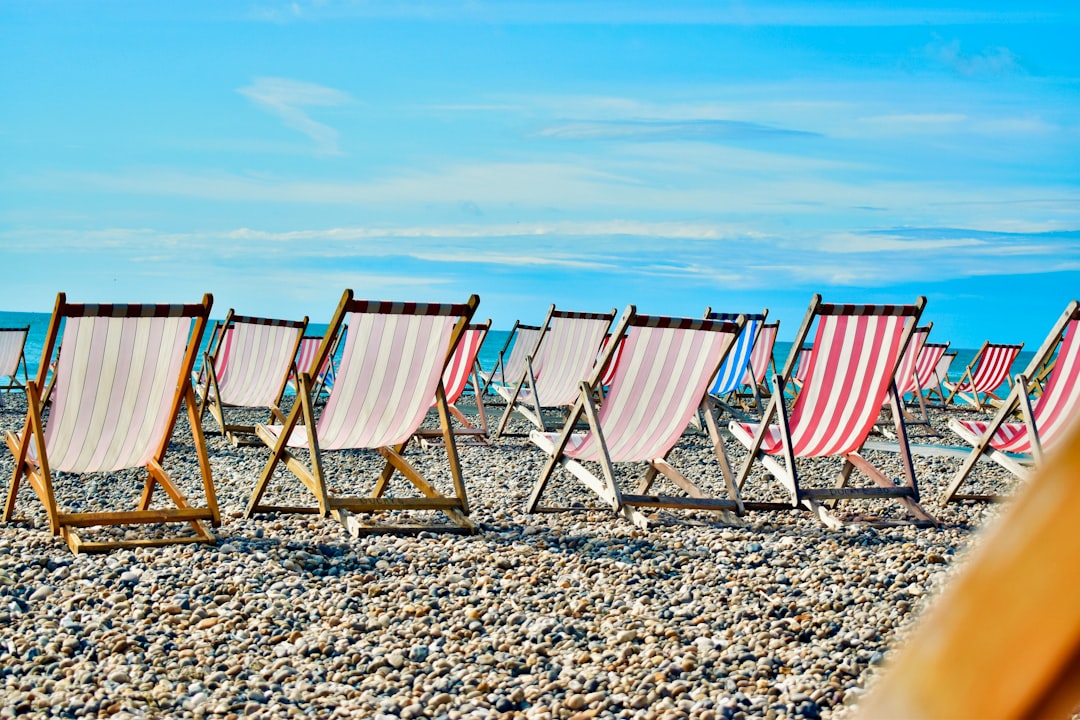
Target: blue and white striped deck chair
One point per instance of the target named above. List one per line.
(731, 373)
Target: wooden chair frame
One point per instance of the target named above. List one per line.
(323, 380)
(13, 380)
(506, 354)
(972, 398)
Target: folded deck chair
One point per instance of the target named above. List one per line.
(856, 351)
(564, 353)
(511, 361)
(939, 379)
(304, 362)
(755, 382)
(12, 355)
(248, 368)
(459, 373)
(121, 378)
(661, 382)
(984, 375)
(729, 377)
(1016, 445)
(392, 361)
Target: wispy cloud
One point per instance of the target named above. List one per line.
(287, 99)
(990, 61)
(705, 129)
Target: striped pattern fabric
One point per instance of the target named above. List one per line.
(306, 354)
(941, 371)
(456, 374)
(566, 355)
(729, 376)
(116, 378)
(253, 360)
(613, 365)
(905, 374)
(993, 368)
(390, 367)
(1055, 409)
(513, 368)
(12, 342)
(803, 366)
(658, 386)
(761, 355)
(926, 367)
(847, 377)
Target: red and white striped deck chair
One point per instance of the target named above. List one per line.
(612, 364)
(392, 361)
(248, 368)
(564, 354)
(924, 377)
(802, 366)
(121, 378)
(905, 378)
(1043, 425)
(12, 355)
(661, 382)
(761, 358)
(304, 362)
(459, 373)
(511, 361)
(856, 351)
(939, 379)
(984, 375)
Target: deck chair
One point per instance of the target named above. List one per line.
(392, 362)
(906, 379)
(924, 377)
(1042, 425)
(511, 360)
(850, 370)
(939, 379)
(612, 363)
(984, 375)
(802, 365)
(730, 375)
(661, 382)
(121, 380)
(248, 368)
(304, 362)
(12, 355)
(459, 373)
(754, 382)
(564, 353)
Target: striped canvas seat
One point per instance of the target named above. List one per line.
(392, 362)
(730, 375)
(510, 364)
(612, 365)
(305, 363)
(847, 375)
(249, 368)
(926, 368)
(661, 381)
(120, 381)
(564, 354)
(459, 372)
(12, 356)
(1044, 424)
(986, 373)
(755, 379)
(907, 380)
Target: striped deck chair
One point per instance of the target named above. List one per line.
(985, 374)
(564, 353)
(755, 379)
(905, 378)
(802, 366)
(459, 373)
(611, 365)
(248, 368)
(12, 355)
(1042, 426)
(511, 361)
(856, 351)
(729, 377)
(392, 361)
(924, 376)
(121, 380)
(304, 362)
(939, 379)
(661, 383)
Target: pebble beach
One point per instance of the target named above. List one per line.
(568, 615)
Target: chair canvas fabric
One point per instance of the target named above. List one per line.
(940, 378)
(392, 363)
(1044, 424)
(459, 372)
(12, 355)
(757, 370)
(305, 363)
(730, 375)
(661, 381)
(926, 368)
(985, 374)
(612, 365)
(120, 380)
(508, 367)
(854, 358)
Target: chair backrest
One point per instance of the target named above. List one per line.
(730, 375)
(761, 355)
(856, 351)
(803, 366)
(525, 339)
(927, 365)
(392, 361)
(994, 362)
(941, 372)
(254, 357)
(906, 380)
(12, 344)
(120, 378)
(457, 372)
(567, 352)
(663, 376)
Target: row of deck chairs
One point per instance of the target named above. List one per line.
(122, 374)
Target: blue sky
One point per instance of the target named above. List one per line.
(673, 155)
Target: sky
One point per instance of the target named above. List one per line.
(675, 155)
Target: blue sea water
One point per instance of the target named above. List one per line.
(496, 340)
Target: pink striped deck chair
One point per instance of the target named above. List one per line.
(985, 374)
(121, 378)
(856, 351)
(757, 372)
(661, 382)
(511, 361)
(802, 366)
(939, 379)
(459, 373)
(564, 354)
(905, 378)
(923, 377)
(304, 362)
(12, 355)
(1043, 425)
(611, 365)
(249, 367)
(392, 362)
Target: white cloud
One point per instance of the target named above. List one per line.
(285, 98)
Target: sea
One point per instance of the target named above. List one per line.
(489, 352)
